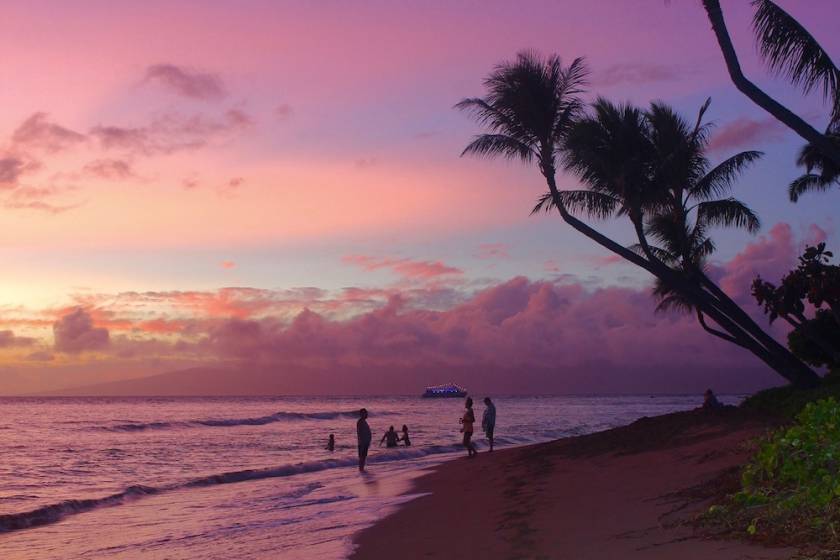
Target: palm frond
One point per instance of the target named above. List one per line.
(809, 182)
(497, 119)
(594, 204)
(663, 255)
(490, 145)
(811, 157)
(719, 180)
(698, 125)
(728, 212)
(789, 49)
(670, 300)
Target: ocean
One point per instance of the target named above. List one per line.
(179, 478)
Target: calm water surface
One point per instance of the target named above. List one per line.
(182, 478)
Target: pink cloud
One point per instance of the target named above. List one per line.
(40, 356)
(227, 264)
(517, 324)
(404, 267)
(171, 133)
(186, 82)
(635, 74)
(231, 187)
(110, 169)
(771, 256)
(745, 133)
(11, 168)
(75, 332)
(39, 133)
(8, 340)
(38, 198)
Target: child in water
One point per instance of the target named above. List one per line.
(404, 438)
(331, 443)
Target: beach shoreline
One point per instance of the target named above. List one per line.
(628, 492)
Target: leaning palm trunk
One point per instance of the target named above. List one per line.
(758, 96)
(739, 328)
(631, 161)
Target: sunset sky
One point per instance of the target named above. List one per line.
(279, 183)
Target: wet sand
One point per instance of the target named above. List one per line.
(625, 493)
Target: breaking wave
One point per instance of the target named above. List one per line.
(226, 422)
(56, 512)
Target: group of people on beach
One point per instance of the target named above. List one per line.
(392, 438)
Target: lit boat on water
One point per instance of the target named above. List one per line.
(448, 390)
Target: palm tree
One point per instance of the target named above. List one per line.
(813, 159)
(647, 166)
(789, 49)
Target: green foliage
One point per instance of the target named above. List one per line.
(797, 467)
(790, 489)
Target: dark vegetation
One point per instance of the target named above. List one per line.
(789, 492)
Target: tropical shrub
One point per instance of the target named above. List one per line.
(790, 489)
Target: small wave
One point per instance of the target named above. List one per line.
(227, 422)
(55, 512)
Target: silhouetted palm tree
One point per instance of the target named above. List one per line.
(789, 49)
(646, 165)
(812, 159)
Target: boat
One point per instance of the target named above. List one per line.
(448, 390)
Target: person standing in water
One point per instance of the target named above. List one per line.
(488, 420)
(467, 421)
(404, 438)
(331, 443)
(391, 436)
(364, 436)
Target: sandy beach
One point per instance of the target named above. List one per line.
(622, 493)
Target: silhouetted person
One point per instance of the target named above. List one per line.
(391, 436)
(406, 441)
(467, 421)
(331, 443)
(488, 420)
(364, 436)
(710, 401)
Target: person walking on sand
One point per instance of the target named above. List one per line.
(467, 421)
(391, 436)
(404, 438)
(364, 436)
(488, 420)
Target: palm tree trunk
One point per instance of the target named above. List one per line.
(748, 323)
(784, 363)
(742, 330)
(779, 111)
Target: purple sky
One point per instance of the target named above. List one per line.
(180, 181)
